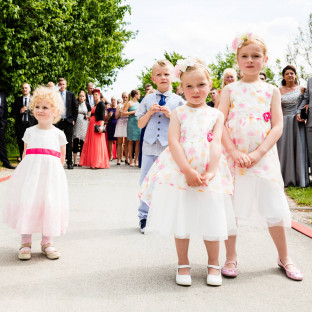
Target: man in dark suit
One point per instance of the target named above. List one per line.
(68, 119)
(23, 118)
(3, 121)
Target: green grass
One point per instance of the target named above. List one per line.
(302, 196)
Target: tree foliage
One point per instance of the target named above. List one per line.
(80, 40)
(299, 51)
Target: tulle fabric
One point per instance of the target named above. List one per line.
(94, 153)
(260, 202)
(185, 213)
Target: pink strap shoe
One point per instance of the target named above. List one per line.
(296, 276)
(229, 272)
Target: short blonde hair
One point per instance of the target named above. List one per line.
(227, 71)
(198, 65)
(52, 96)
(162, 63)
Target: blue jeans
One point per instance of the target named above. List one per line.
(147, 162)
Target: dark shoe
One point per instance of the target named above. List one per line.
(70, 166)
(142, 225)
(8, 166)
(75, 165)
(118, 163)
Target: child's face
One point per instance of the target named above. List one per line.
(43, 112)
(162, 76)
(251, 59)
(195, 86)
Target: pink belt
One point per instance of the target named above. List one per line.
(44, 151)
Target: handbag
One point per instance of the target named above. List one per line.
(304, 114)
(97, 127)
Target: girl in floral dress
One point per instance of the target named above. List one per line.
(189, 187)
(253, 124)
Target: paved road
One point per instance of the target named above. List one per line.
(107, 265)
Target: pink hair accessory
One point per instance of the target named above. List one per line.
(240, 39)
(267, 116)
(209, 137)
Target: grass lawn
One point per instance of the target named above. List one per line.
(302, 196)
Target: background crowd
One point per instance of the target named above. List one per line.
(101, 130)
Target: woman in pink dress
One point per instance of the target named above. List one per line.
(94, 153)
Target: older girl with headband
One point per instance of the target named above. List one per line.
(253, 124)
(189, 187)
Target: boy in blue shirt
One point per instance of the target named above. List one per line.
(154, 114)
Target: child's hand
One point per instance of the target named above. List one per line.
(155, 108)
(242, 159)
(254, 156)
(207, 177)
(193, 178)
(166, 110)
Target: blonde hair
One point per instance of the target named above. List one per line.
(227, 71)
(52, 96)
(256, 40)
(162, 63)
(198, 65)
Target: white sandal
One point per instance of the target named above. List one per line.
(184, 280)
(52, 255)
(214, 280)
(24, 254)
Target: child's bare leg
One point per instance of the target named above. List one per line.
(137, 151)
(231, 255)
(279, 237)
(182, 246)
(213, 255)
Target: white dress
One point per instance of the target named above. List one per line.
(121, 126)
(37, 195)
(181, 210)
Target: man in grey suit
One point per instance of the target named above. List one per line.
(307, 102)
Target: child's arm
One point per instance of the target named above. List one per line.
(275, 132)
(25, 148)
(63, 152)
(193, 178)
(242, 159)
(215, 150)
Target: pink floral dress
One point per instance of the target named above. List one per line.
(175, 207)
(258, 191)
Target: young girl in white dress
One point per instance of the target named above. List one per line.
(253, 124)
(37, 194)
(189, 187)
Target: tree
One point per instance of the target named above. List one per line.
(146, 74)
(81, 40)
(299, 51)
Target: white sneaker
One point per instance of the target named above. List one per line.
(214, 280)
(184, 280)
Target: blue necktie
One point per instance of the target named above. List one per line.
(162, 101)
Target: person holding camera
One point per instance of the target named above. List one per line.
(94, 152)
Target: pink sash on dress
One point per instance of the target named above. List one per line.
(44, 151)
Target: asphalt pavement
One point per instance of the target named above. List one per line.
(106, 264)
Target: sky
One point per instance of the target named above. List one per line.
(202, 28)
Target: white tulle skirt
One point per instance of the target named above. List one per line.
(36, 199)
(185, 213)
(259, 201)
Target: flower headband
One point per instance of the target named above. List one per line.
(239, 40)
(182, 65)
